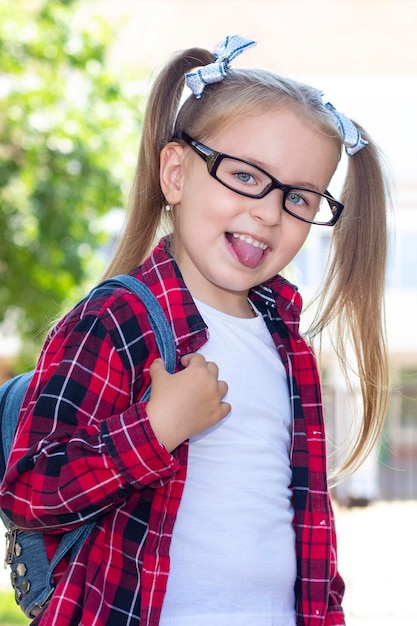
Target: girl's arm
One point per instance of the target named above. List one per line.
(84, 441)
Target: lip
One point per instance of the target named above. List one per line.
(253, 241)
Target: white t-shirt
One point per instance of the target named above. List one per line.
(233, 547)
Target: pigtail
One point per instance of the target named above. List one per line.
(147, 200)
(352, 298)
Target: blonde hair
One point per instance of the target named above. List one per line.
(352, 295)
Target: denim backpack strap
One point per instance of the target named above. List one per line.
(11, 398)
(157, 319)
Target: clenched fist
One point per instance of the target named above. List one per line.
(185, 403)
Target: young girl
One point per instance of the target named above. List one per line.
(212, 500)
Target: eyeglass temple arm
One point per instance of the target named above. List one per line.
(203, 150)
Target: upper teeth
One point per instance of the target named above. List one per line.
(253, 242)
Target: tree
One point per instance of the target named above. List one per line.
(68, 131)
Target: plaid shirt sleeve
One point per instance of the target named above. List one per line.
(82, 446)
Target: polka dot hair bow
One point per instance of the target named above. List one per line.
(224, 53)
(352, 139)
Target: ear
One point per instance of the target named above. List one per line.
(171, 172)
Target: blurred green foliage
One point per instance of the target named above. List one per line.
(68, 132)
(10, 613)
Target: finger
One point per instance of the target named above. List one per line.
(213, 368)
(194, 357)
(156, 367)
(223, 388)
(225, 409)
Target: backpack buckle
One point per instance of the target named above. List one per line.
(38, 607)
(11, 536)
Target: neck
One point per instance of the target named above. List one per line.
(245, 310)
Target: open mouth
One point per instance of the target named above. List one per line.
(248, 250)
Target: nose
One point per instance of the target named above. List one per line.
(269, 208)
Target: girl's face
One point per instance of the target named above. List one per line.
(226, 243)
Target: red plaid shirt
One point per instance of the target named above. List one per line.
(85, 448)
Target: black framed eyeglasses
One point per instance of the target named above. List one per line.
(252, 181)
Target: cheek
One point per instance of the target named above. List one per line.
(305, 231)
(301, 241)
(292, 239)
(207, 206)
(295, 231)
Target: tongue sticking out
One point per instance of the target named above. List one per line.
(247, 253)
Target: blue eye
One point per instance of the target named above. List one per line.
(241, 176)
(244, 177)
(295, 198)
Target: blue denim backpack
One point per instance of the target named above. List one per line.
(31, 571)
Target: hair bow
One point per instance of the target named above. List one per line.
(352, 139)
(224, 53)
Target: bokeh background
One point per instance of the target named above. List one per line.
(73, 81)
